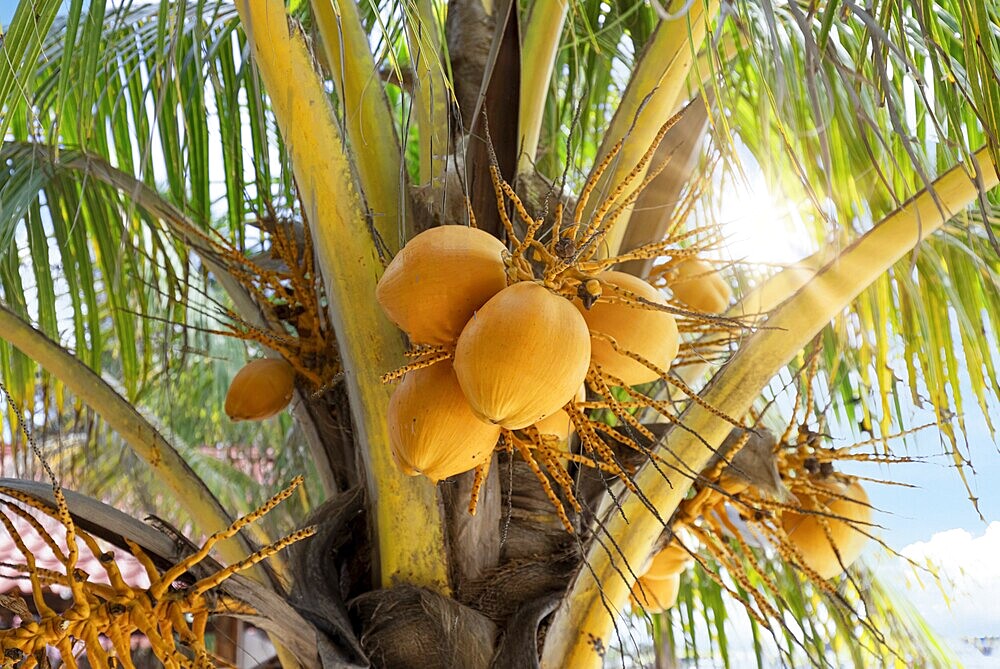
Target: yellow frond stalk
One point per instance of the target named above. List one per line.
(350, 262)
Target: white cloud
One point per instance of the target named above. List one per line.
(964, 599)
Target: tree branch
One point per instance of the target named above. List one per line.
(369, 126)
(541, 45)
(430, 91)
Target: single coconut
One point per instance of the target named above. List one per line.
(261, 389)
(670, 561)
(438, 280)
(646, 332)
(559, 424)
(523, 356)
(432, 430)
(655, 595)
(806, 533)
(696, 283)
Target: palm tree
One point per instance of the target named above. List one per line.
(180, 171)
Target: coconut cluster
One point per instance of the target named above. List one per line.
(698, 286)
(620, 326)
(516, 354)
(447, 288)
(826, 536)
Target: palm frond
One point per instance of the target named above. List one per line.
(21, 46)
(707, 625)
(849, 113)
(129, 86)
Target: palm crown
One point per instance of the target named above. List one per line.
(177, 172)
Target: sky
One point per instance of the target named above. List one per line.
(969, 569)
(7, 8)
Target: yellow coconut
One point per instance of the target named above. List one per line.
(260, 390)
(805, 531)
(559, 424)
(648, 333)
(523, 356)
(696, 283)
(432, 429)
(670, 561)
(655, 595)
(438, 280)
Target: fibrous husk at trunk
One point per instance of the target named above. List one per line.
(519, 645)
(411, 628)
(442, 202)
(540, 197)
(504, 590)
(445, 201)
(330, 420)
(324, 575)
(537, 555)
(754, 462)
(529, 526)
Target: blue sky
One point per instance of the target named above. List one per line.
(7, 8)
(939, 501)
